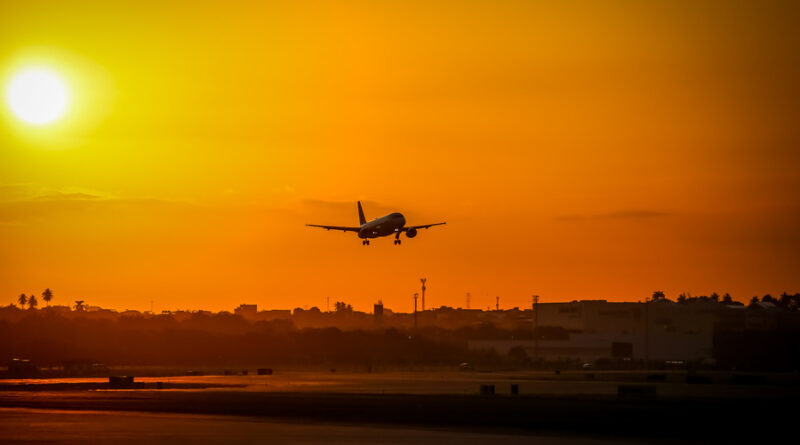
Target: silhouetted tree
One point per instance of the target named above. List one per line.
(769, 299)
(789, 302)
(715, 297)
(682, 299)
(32, 303)
(343, 307)
(754, 301)
(727, 298)
(658, 295)
(79, 306)
(794, 303)
(47, 295)
(22, 299)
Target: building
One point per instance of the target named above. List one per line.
(660, 330)
(246, 310)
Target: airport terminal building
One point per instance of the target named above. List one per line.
(661, 330)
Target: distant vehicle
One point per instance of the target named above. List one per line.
(391, 224)
(83, 367)
(22, 368)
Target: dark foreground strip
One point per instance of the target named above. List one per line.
(670, 420)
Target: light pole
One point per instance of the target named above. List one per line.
(423, 280)
(646, 331)
(415, 309)
(535, 309)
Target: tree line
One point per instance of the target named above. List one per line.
(226, 340)
(786, 301)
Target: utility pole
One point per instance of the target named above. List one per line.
(535, 309)
(327, 304)
(497, 303)
(415, 309)
(646, 331)
(423, 280)
(468, 300)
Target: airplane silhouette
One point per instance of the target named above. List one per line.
(391, 224)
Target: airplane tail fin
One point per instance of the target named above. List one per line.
(361, 218)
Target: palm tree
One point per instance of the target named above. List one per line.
(32, 303)
(22, 300)
(658, 295)
(47, 295)
(79, 305)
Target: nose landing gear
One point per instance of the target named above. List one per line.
(397, 241)
(365, 242)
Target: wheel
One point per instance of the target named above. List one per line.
(397, 241)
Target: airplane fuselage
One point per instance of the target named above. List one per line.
(383, 226)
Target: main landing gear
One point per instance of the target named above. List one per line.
(365, 242)
(397, 241)
(397, 238)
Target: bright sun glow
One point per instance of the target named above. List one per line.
(37, 96)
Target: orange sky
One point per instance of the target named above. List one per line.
(577, 150)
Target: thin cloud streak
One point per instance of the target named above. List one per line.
(619, 215)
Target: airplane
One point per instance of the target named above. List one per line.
(391, 224)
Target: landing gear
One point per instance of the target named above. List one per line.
(365, 242)
(397, 238)
(397, 241)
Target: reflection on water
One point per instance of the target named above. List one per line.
(80, 427)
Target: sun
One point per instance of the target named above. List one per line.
(37, 96)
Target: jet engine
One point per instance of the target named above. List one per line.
(411, 233)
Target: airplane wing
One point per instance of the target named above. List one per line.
(424, 226)
(344, 229)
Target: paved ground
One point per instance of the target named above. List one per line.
(394, 407)
(19, 426)
(598, 384)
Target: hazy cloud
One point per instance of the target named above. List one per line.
(35, 192)
(21, 203)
